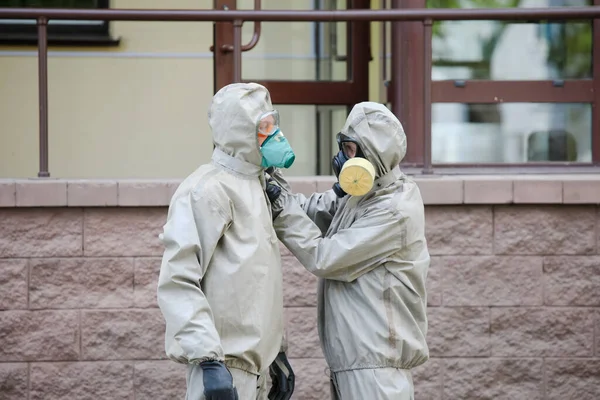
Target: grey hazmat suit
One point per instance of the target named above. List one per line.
(220, 283)
(371, 256)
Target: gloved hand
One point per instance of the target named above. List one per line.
(218, 382)
(337, 189)
(283, 378)
(273, 190)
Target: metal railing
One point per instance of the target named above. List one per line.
(427, 16)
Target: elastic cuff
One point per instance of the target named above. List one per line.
(205, 359)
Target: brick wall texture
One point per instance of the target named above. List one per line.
(514, 306)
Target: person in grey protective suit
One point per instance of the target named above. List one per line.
(371, 256)
(220, 283)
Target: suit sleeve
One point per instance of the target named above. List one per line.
(347, 254)
(195, 224)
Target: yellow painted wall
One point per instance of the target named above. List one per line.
(139, 110)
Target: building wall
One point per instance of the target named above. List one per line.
(139, 110)
(513, 291)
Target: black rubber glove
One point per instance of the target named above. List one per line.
(218, 382)
(273, 191)
(283, 378)
(337, 189)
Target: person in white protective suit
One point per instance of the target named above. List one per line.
(220, 282)
(369, 250)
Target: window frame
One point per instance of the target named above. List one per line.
(418, 130)
(310, 92)
(60, 33)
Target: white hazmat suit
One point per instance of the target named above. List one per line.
(371, 256)
(220, 283)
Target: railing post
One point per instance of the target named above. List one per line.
(237, 50)
(427, 25)
(42, 27)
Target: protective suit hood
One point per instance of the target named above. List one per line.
(379, 133)
(233, 117)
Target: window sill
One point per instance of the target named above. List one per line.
(504, 169)
(436, 190)
(61, 40)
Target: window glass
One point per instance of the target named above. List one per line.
(314, 51)
(511, 132)
(501, 50)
